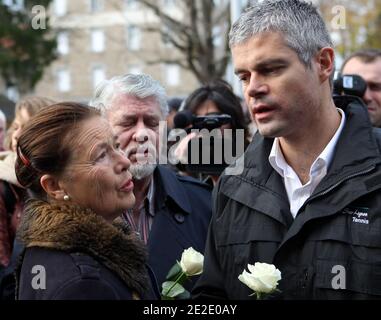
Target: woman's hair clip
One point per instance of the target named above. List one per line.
(24, 159)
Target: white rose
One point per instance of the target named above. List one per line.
(192, 262)
(262, 277)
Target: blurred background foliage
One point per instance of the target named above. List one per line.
(24, 51)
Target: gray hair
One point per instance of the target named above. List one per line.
(299, 22)
(138, 85)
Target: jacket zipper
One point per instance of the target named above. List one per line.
(354, 175)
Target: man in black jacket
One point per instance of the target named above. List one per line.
(308, 200)
(171, 212)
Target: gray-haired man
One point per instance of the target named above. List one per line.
(308, 200)
(171, 212)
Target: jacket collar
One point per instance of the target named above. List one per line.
(73, 229)
(168, 186)
(258, 176)
(352, 155)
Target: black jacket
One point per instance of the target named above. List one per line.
(73, 254)
(339, 225)
(182, 215)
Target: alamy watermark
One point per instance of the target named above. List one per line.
(39, 280)
(339, 281)
(339, 20)
(39, 17)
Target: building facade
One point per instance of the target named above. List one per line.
(99, 39)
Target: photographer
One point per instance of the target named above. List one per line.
(216, 102)
(367, 64)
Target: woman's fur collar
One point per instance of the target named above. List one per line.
(73, 229)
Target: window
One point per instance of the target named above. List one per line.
(96, 5)
(219, 3)
(13, 93)
(133, 37)
(217, 36)
(15, 5)
(131, 4)
(63, 80)
(172, 74)
(60, 7)
(169, 3)
(97, 40)
(134, 69)
(165, 37)
(99, 75)
(63, 43)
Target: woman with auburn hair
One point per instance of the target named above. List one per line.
(79, 182)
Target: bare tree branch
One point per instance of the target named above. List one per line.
(194, 35)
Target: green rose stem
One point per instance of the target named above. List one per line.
(176, 282)
(258, 295)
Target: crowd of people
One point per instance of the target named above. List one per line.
(83, 195)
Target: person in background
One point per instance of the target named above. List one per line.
(12, 195)
(367, 64)
(216, 98)
(171, 212)
(308, 199)
(174, 105)
(3, 129)
(70, 161)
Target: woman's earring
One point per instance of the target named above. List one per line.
(66, 197)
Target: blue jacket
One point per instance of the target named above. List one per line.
(182, 215)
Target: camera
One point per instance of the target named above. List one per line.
(206, 152)
(186, 120)
(352, 85)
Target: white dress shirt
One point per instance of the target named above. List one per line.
(297, 192)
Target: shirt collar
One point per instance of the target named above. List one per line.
(329, 150)
(280, 165)
(277, 160)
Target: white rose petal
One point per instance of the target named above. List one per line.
(192, 262)
(262, 277)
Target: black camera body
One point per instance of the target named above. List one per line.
(352, 85)
(211, 121)
(187, 121)
(202, 146)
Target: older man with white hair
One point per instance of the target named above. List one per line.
(172, 212)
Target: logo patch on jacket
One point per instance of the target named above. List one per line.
(359, 214)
